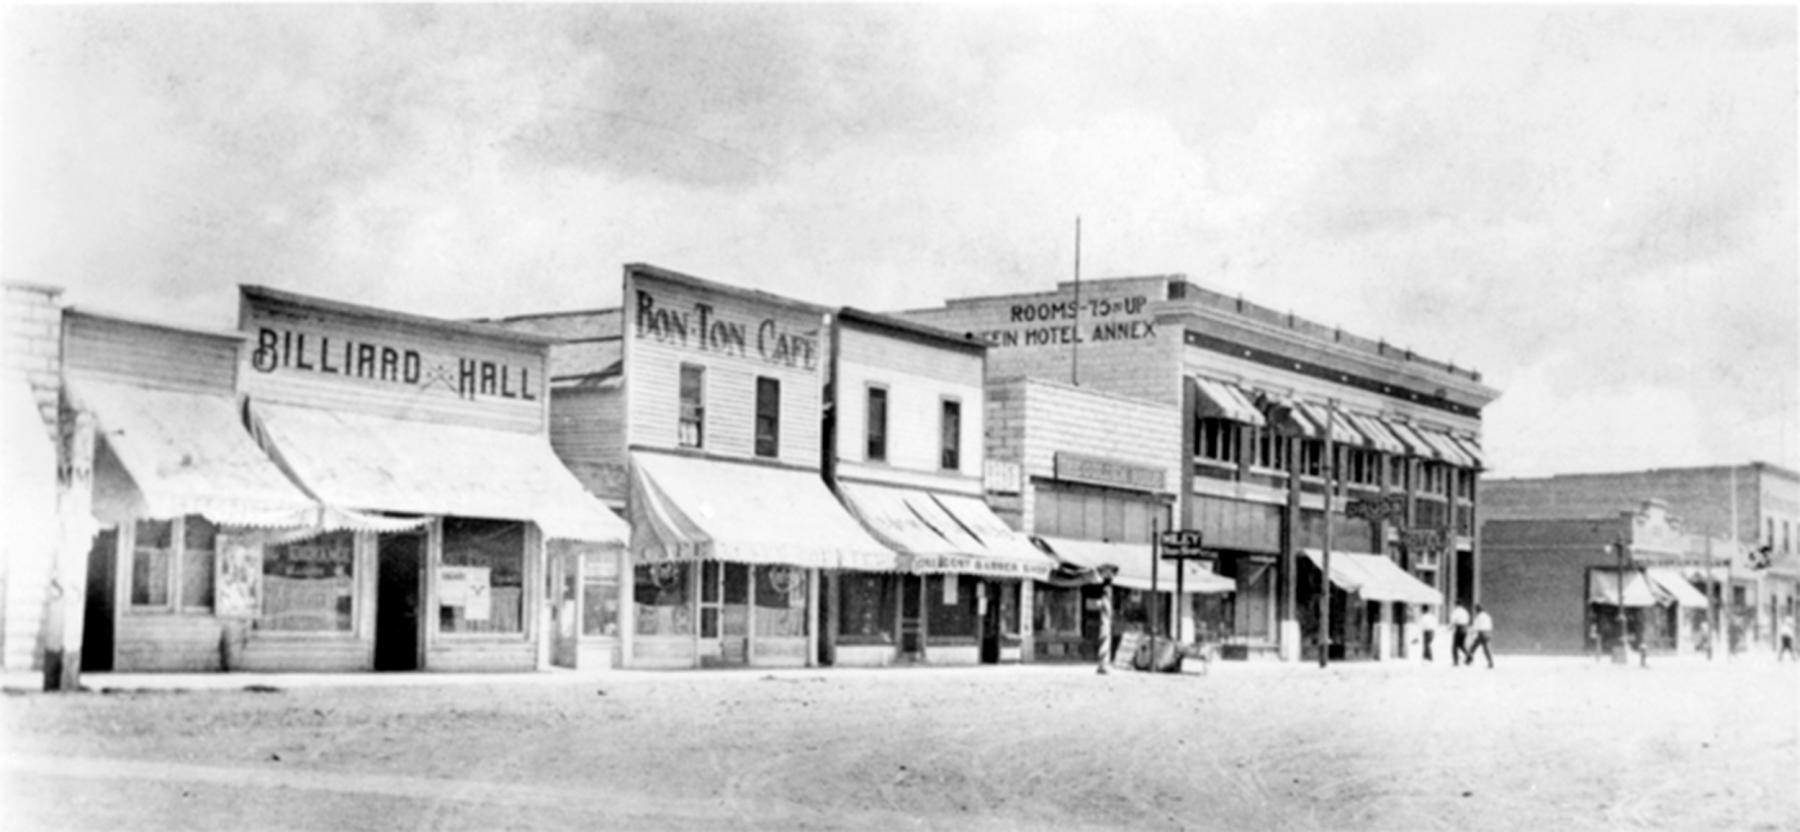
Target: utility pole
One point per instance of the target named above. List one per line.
(1325, 562)
(1619, 655)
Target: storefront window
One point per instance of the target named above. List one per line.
(481, 581)
(600, 594)
(662, 601)
(950, 606)
(198, 537)
(151, 565)
(780, 602)
(1058, 611)
(866, 611)
(308, 585)
(1009, 608)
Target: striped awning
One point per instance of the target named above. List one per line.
(1472, 448)
(1224, 400)
(1132, 565)
(1384, 440)
(1341, 430)
(943, 533)
(1603, 588)
(1415, 444)
(1447, 448)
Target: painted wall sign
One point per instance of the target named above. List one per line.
(1100, 471)
(1053, 323)
(705, 327)
(277, 348)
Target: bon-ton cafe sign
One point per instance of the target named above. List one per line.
(719, 327)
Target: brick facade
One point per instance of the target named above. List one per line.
(30, 349)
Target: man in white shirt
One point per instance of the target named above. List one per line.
(1459, 634)
(1428, 624)
(1484, 626)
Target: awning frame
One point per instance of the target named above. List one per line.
(1225, 400)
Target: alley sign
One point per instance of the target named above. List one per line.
(1183, 543)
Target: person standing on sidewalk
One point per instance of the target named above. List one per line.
(1484, 628)
(1787, 640)
(1459, 634)
(1428, 625)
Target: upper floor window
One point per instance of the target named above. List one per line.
(768, 417)
(1267, 450)
(1362, 467)
(1312, 458)
(876, 450)
(693, 406)
(172, 564)
(1216, 440)
(950, 439)
(1436, 479)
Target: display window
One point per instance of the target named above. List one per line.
(172, 564)
(866, 608)
(481, 577)
(661, 599)
(309, 585)
(780, 602)
(950, 606)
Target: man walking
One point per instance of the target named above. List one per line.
(1484, 627)
(1459, 634)
(1428, 625)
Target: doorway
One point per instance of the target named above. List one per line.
(912, 602)
(97, 617)
(987, 603)
(399, 559)
(724, 614)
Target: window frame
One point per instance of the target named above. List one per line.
(875, 443)
(950, 433)
(174, 571)
(697, 409)
(1226, 435)
(772, 405)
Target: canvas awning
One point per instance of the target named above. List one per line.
(689, 508)
(1224, 400)
(1470, 448)
(1132, 560)
(1603, 588)
(1341, 430)
(1447, 448)
(1383, 439)
(1676, 587)
(1415, 444)
(379, 463)
(187, 452)
(1375, 578)
(936, 533)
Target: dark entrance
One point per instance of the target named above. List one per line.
(399, 558)
(988, 599)
(97, 617)
(912, 602)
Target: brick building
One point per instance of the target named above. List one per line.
(32, 354)
(1259, 397)
(1763, 498)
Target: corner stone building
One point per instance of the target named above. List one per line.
(1255, 391)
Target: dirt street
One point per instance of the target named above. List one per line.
(1538, 743)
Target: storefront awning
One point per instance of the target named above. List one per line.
(187, 453)
(1383, 439)
(1676, 587)
(1132, 560)
(378, 463)
(689, 508)
(1341, 431)
(1375, 578)
(944, 532)
(1415, 444)
(1447, 448)
(1471, 449)
(1603, 588)
(1224, 400)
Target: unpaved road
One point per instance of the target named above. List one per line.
(1553, 744)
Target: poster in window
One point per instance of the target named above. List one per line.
(239, 579)
(466, 587)
(950, 581)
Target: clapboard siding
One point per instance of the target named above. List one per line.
(914, 405)
(779, 652)
(110, 349)
(489, 656)
(295, 354)
(655, 352)
(660, 653)
(587, 431)
(1058, 417)
(166, 643)
(952, 365)
(307, 655)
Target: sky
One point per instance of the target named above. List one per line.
(1593, 206)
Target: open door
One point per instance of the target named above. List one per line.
(97, 618)
(399, 592)
(987, 610)
(912, 607)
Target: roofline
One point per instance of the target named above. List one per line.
(254, 292)
(706, 285)
(1754, 465)
(46, 288)
(538, 316)
(1060, 285)
(85, 312)
(944, 337)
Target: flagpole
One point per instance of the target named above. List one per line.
(1730, 563)
(1075, 342)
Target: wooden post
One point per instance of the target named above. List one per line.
(68, 588)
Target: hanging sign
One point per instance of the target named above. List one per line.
(1183, 543)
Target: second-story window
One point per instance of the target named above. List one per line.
(1312, 457)
(877, 425)
(1270, 450)
(950, 443)
(693, 406)
(1217, 440)
(768, 417)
